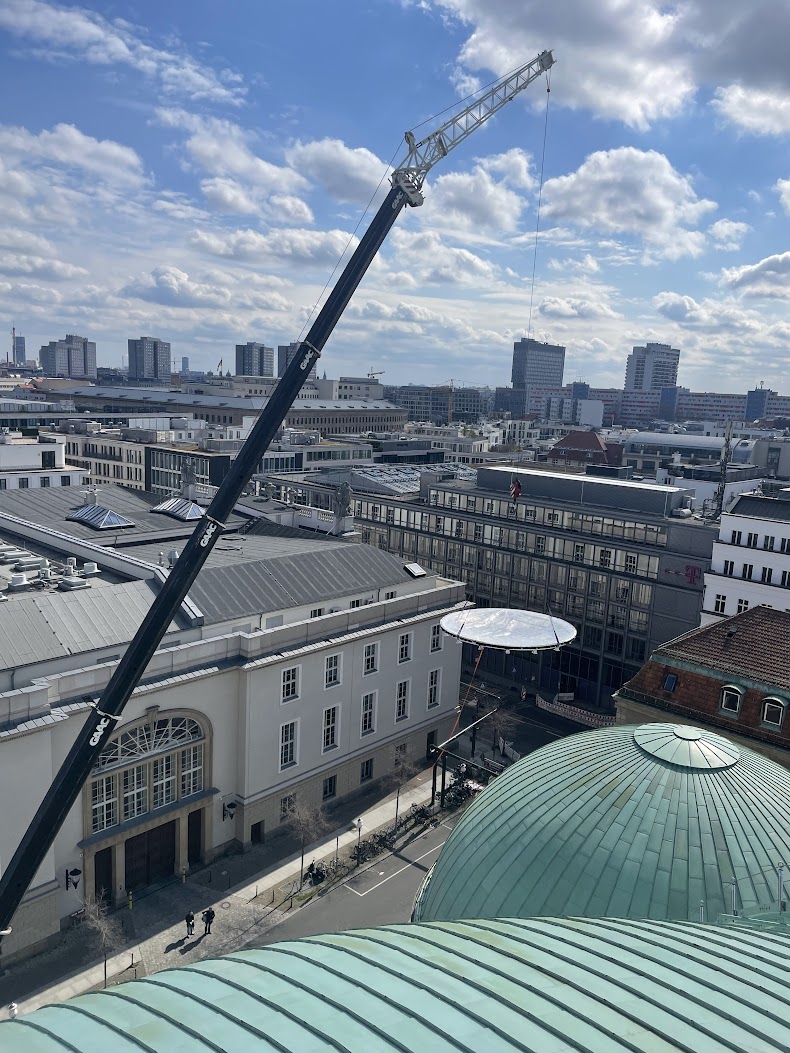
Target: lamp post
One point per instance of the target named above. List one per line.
(73, 878)
(359, 838)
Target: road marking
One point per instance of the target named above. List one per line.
(386, 879)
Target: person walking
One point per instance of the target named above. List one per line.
(190, 920)
(208, 917)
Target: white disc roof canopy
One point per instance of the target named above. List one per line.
(508, 630)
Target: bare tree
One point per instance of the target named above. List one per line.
(106, 928)
(502, 724)
(308, 821)
(403, 770)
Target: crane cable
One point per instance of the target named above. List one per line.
(540, 198)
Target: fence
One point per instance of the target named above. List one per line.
(570, 712)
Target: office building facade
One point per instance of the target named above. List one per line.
(254, 360)
(537, 364)
(285, 352)
(652, 367)
(149, 359)
(20, 355)
(73, 357)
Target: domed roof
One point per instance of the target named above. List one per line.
(562, 985)
(655, 821)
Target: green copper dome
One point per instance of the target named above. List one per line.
(655, 821)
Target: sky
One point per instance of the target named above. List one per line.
(194, 171)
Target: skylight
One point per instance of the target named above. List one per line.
(180, 508)
(99, 518)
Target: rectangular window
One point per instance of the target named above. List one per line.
(730, 700)
(785, 546)
(635, 649)
(287, 745)
(747, 571)
(578, 553)
(316, 612)
(402, 700)
(773, 712)
(433, 688)
(135, 791)
(751, 540)
(389, 595)
(329, 788)
(729, 568)
(735, 539)
(44, 480)
(23, 483)
(286, 806)
(330, 728)
(540, 546)
(768, 542)
(332, 670)
(743, 605)
(719, 603)
(65, 480)
(164, 781)
(766, 576)
(354, 604)
(670, 682)
(605, 558)
(290, 684)
(614, 643)
(592, 636)
(191, 770)
(104, 803)
(436, 638)
(371, 660)
(630, 563)
(404, 647)
(366, 770)
(368, 713)
(3, 484)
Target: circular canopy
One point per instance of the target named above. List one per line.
(508, 630)
(686, 746)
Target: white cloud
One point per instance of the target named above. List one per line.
(770, 277)
(320, 247)
(349, 174)
(228, 196)
(710, 315)
(77, 34)
(513, 167)
(67, 146)
(782, 186)
(728, 234)
(570, 307)
(429, 261)
(586, 265)
(630, 191)
(754, 110)
(37, 266)
(172, 287)
(285, 208)
(472, 202)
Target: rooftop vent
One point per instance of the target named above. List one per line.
(18, 583)
(99, 518)
(70, 584)
(90, 570)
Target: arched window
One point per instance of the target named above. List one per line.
(730, 698)
(145, 767)
(773, 712)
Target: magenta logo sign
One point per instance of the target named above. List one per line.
(692, 574)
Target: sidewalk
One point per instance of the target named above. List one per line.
(244, 910)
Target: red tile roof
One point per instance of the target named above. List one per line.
(755, 644)
(580, 440)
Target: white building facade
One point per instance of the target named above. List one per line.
(30, 464)
(750, 564)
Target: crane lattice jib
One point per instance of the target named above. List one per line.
(422, 156)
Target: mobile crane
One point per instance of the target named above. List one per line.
(407, 181)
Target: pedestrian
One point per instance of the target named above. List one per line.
(190, 920)
(208, 917)
(13, 1009)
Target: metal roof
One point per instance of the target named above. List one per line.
(600, 825)
(540, 986)
(758, 507)
(250, 404)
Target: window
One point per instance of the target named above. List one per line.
(330, 729)
(735, 539)
(605, 558)
(747, 571)
(751, 540)
(592, 636)
(743, 605)
(104, 803)
(402, 700)
(769, 542)
(614, 643)
(164, 781)
(785, 546)
(368, 713)
(719, 603)
(670, 682)
(389, 595)
(3, 484)
(766, 576)
(332, 670)
(316, 612)
(730, 700)
(540, 546)
(135, 791)
(287, 804)
(23, 483)
(354, 604)
(287, 745)
(329, 788)
(404, 647)
(191, 770)
(65, 480)
(366, 770)
(290, 684)
(436, 638)
(785, 579)
(773, 712)
(433, 688)
(44, 480)
(371, 663)
(729, 567)
(635, 649)
(630, 563)
(578, 553)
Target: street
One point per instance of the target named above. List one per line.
(380, 893)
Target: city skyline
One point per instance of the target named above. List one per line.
(212, 203)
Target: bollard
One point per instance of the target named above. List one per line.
(183, 875)
(130, 898)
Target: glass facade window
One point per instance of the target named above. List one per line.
(164, 781)
(104, 803)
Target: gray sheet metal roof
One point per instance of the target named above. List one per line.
(762, 508)
(250, 404)
(601, 826)
(51, 625)
(540, 986)
(311, 574)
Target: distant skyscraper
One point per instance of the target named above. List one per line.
(652, 367)
(537, 365)
(149, 359)
(285, 352)
(73, 357)
(19, 350)
(184, 365)
(254, 360)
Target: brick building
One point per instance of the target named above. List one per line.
(732, 675)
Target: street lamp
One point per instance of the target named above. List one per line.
(73, 878)
(228, 810)
(359, 838)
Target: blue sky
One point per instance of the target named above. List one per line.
(193, 170)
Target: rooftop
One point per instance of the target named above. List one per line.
(250, 404)
(551, 986)
(756, 506)
(654, 821)
(753, 644)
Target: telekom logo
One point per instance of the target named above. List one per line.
(692, 574)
